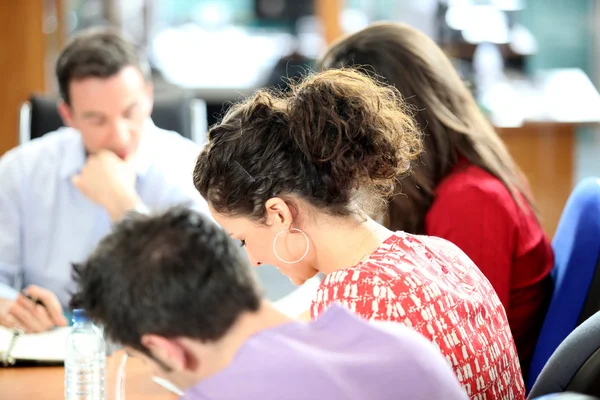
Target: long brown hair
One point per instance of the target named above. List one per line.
(444, 109)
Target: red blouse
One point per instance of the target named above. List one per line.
(429, 284)
(475, 211)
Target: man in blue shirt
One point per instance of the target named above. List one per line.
(60, 194)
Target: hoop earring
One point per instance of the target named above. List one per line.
(275, 243)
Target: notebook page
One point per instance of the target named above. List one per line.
(46, 346)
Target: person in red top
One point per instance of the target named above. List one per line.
(466, 188)
(293, 176)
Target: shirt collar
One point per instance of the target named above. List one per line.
(74, 156)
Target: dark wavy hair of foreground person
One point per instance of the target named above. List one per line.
(175, 274)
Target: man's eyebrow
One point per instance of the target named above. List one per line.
(92, 114)
(130, 106)
(97, 114)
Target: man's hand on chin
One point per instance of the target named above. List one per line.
(109, 181)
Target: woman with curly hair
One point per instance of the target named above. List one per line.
(294, 177)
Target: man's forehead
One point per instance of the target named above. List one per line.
(119, 88)
(89, 103)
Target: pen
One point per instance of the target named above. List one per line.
(34, 299)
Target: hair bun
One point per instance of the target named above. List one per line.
(334, 139)
(355, 129)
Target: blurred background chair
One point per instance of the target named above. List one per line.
(566, 396)
(175, 112)
(575, 365)
(576, 279)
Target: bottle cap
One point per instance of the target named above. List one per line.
(79, 315)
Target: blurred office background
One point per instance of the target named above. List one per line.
(534, 65)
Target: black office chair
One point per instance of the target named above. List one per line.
(575, 365)
(175, 112)
(566, 396)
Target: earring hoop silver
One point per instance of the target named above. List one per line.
(275, 245)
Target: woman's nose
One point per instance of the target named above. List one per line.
(254, 262)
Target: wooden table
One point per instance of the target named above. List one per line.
(41, 383)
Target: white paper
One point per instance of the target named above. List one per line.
(47, 346)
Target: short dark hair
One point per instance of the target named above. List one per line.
(334, 138)
(100, 53)
(173, 274)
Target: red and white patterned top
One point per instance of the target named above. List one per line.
(429, 284)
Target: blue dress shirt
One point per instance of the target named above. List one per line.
(46, 224)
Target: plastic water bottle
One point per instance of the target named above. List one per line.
(85, 360)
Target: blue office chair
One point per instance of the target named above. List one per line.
(576, 247)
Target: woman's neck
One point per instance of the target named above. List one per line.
(344, 242)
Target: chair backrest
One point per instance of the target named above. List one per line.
(576, 247)
(566, 396)
(44, 116)
(575, 365)
(175, 112)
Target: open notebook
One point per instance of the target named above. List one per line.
(47, 347)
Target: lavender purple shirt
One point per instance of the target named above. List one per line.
(337, 357)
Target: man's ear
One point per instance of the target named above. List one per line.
(64, 110)
(150, 96)
(279, 214)
(177, 354)
(165, 351)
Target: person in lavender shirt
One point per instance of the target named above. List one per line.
(178, 293)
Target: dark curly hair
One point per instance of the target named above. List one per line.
(336, 138)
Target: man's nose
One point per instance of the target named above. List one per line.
(120, 135)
